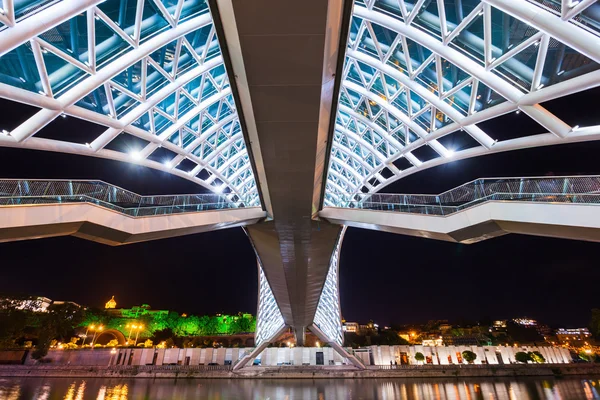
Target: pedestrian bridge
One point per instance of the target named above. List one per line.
(108, 214)
(562, 207)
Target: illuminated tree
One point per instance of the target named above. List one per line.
(537, 357)
(469, 356)
(587, 355)
(419, 357)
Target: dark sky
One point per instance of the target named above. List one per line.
(384, 277)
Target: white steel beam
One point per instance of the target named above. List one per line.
(438, 103)
(227, 16)
(38, 121)
(34, 25)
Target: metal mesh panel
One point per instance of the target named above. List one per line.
(269, 319)
(23, 192)
(575, 189)
(328, 315)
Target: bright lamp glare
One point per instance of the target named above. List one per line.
(450, 153)
(219, 189)
(168, 164)
(135, 155)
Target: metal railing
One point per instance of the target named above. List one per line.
(34, 191)
(170, 368)
(566, 189)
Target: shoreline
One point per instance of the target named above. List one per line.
(290, 372)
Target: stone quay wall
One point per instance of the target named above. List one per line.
(295, 372)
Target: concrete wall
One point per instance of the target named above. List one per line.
(273, 356)
(449, 355)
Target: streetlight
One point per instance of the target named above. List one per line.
(112, 354)
(86, 332)
(139, 328)
(98, 329)
(131, 327)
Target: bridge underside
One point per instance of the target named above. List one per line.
(103, 225)
(485, 221)
(289, 52)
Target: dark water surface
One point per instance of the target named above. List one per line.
(321, 389)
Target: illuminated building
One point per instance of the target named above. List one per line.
(111, 303)
(573, 335)
(526, 322)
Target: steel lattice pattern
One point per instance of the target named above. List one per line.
(23, 192)
(328, 316)
(419, 76)
(151, 71)
(269, 319)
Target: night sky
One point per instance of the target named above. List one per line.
(384, 277)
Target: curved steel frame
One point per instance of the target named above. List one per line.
(177, 94)
(392, 104)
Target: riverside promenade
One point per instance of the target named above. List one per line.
(297, 372)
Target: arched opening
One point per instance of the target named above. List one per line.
(106, 336)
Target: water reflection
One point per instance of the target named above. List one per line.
(322, 389)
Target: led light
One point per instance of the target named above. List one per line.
(449, 153)
(136, 155)
(219, 189)
(168, 164)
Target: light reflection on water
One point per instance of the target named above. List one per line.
(322, 389)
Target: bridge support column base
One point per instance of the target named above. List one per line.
(259, 349)
(339, 349)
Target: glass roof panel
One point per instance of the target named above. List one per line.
(413, 75)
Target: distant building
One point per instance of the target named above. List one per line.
(433, 342)
(526, 322)
(61, 302)
(350, 327)
(111, 303)
(135, 311)
(573, 335)
(368, 329)
(35, 304)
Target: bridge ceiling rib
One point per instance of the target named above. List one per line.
(151, 71)
(419, 76)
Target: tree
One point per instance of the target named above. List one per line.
(522, 357)
(469, 356)
(419, 357)
(588, 355)
(162, 335)
(536, 357)
(57, 323)
(388, 338)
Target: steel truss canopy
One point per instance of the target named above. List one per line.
(150, 71)
(419, 76)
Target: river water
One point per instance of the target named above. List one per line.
(320, 389)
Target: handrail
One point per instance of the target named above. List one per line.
(574, 189)
(50, 191)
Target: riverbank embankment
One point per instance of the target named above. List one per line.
(297, 372)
